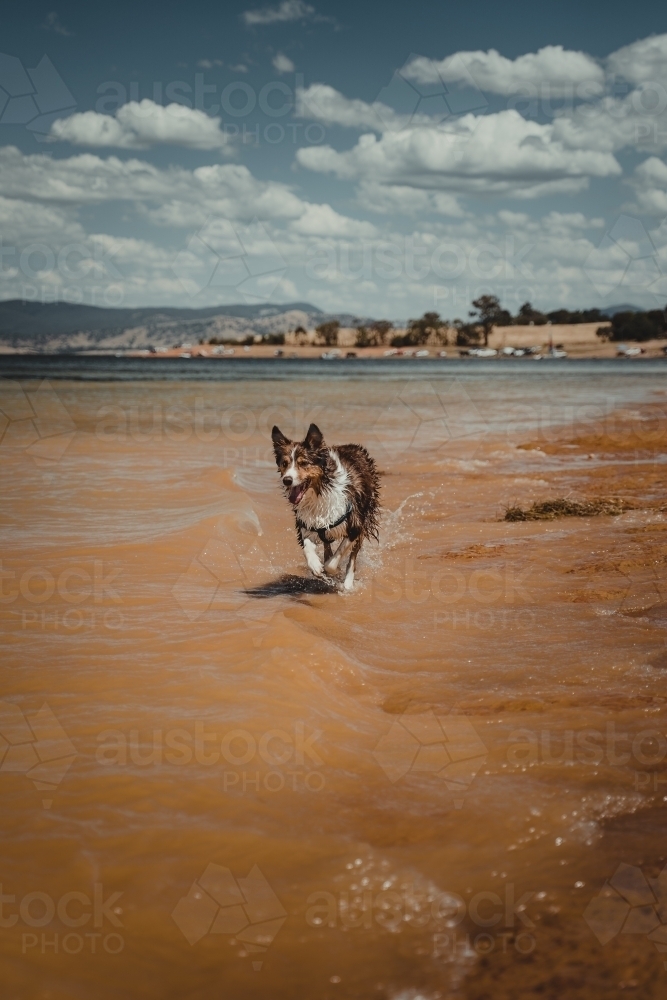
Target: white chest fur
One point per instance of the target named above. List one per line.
(321, 511)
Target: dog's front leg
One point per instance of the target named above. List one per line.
(331, 565)
(349, 575)
(312, 558)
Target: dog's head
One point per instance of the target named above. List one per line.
(301, 464)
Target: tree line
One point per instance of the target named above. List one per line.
(649, 325)
(486, 313)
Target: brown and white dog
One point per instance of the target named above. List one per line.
(334, 493)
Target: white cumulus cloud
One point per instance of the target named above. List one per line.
(323, 220)
(288, 10)
(141, 124)
(558, 68)
(650, 183)
(407, 200)
(643, 62)
(323, 103)
(173, 196)
(283, 63)
(499, 153)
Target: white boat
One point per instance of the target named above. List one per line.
(422, 354)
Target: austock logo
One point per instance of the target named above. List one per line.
(36, 745)
(33, 97)
(627, 257)
(245, 908)
(407, 102)
(630, 903)
(35, 422)
(223, 257)
(444, 746)
(423, 417)
(221, 576)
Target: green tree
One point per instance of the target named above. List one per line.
(562, 316)
(419, 331)
(528, 315)
(375, 334)
(328, 332)
(467, 334)
(489, 313)
(380, 330)
(651, 325)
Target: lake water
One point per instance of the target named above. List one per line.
(420, 789)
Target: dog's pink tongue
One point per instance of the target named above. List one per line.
(296, 493)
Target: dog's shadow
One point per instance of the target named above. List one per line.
(290, 585)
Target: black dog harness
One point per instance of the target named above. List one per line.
(322, 531)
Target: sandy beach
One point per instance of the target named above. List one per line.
(435, 777)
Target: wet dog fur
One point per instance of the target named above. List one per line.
(326, 485)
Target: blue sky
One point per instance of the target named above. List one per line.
(378, 159)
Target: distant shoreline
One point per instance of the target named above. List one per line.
(651, 351)
(578, 340)
(106, 368)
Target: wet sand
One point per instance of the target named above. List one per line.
(417, 790)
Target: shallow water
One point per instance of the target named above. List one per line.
(417, 789)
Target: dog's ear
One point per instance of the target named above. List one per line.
(278, 438)
(314, 438)
(280, 444)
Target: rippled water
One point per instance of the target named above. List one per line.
(304, 794)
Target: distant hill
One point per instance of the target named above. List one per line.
(623, 308)
(63, 326)
(35, 318)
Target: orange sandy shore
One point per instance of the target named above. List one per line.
(154, 599)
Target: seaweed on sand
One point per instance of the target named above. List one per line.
(549, 510)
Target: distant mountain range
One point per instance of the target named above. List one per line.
(63, 326)
(623, 308)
